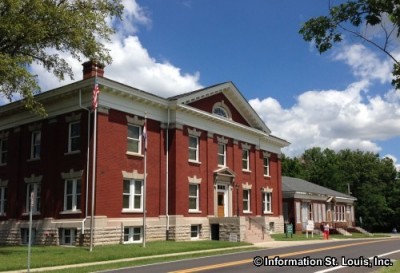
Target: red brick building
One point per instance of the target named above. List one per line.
(304, 201)
(212, 166)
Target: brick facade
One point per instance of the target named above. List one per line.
(169, 124)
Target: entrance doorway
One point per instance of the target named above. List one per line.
(222, 200)
(221, 204)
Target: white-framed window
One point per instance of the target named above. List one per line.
(25, 236)
(221, 154)
(220, 111)
(195, 232)
(132, 195)
(266, 166)
(133, 235)
(245, 160)
(267, 202)
(310, 211)
(36, 137)
(67, 236)
(193, 148)
(339, 213)
(36, 189)
(72, 195)
(74, 136)
(193, 197)
(134, 139)
(246, 200)
(3, 150)
(3, 200)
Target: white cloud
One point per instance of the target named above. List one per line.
(335, 119)
(132, 64)
(392, 157)
(133, 16)
(364, 63)
(339, 119)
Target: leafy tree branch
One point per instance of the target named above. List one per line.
(350, 17)
(37, 31)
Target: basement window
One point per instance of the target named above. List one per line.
(195, 232)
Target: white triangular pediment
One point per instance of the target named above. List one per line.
(235, 97)
(225, 171)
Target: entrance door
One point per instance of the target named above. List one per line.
(221, 204)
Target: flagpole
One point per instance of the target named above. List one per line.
(30, 229)
(94, 106)
(145, 179)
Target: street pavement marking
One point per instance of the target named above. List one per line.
(342, 266)
(215, 266)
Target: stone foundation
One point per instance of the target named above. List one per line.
(111, 231)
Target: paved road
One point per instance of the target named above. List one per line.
(334, 253)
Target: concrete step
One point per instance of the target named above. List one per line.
(360, 229)
(257, 238)
(343, 232)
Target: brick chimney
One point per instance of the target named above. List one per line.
(89, 69)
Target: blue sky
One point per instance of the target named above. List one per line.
(341, 99)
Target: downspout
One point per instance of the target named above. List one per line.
(167, 175)
(87, 161)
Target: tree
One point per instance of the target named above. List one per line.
(37, 31)
(357, 17)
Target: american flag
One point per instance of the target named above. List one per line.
(144, 134)
(95, 94)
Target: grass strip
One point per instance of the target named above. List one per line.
(391, 269)
(15, 257)
(145, 261)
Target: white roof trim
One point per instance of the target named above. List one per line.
(235, 97)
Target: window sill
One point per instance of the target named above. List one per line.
(194, 162)
(247, 212)
(133, 242)
(268, 213)
(33, 159)
(246, 171)
(73, 152)
(267, 176)
(195, 211)
(71, 212)
(33, 213)
(134, 154)
(131, 211)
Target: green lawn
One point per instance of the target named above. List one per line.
(391, 269)
(12, 258)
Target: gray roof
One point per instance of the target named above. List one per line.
(297, 185)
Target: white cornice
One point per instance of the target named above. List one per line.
(126, 91)
(261, 136)
(114, 95)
